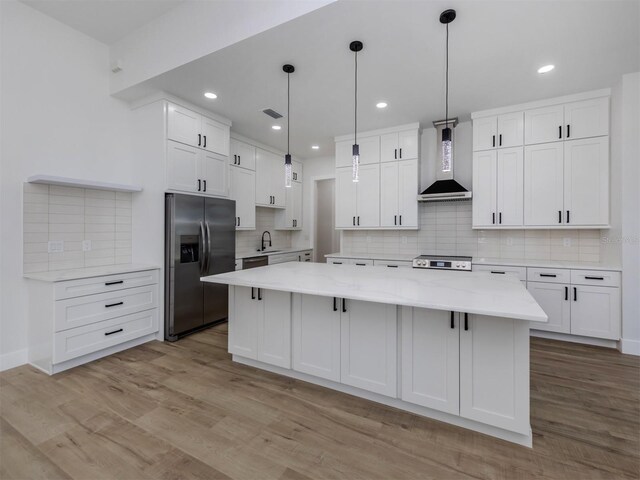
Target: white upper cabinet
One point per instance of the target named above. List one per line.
(191, 128)
(183, 167)
(543, 125)
(589, 118)
(510, 197)
(270, 189)
(214, 172)
(484, 188)
(485, 130)
(242, 189)
(498, 131)
(369, 151)
(399, 146)
(368, 197)
(296, 171)
(389, 196)
(346, 199)
(215, 136)
(543, 184)
(398, 191)
(242, 155)
(291, 217)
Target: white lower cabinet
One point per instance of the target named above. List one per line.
(595, 312)
(431, 359)
(554, 300)
(494, 372)
(260, 325)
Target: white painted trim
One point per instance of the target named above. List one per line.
(566, 337)
(13, 359)
(78, 182)
(381, 131)
(605, 92)
(630, 347)
(525, 440)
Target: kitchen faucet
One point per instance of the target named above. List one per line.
(263, 233)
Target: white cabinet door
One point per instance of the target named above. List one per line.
(368, 196)
(494, 372)
(296, 171)
(554, 299)
(183, 125)
(389, 193)
(291, 217)
(316, 336)
(543, 125)
(589, 118)
(510, 130)
(510, 177)
(243, 322)
(296, 193)
(595, 312)
(543, 184)
(242, 155)
(183, 167)
(484, 188)
(430, 359)
(389, 147)
(274, 328)
(215, 136)
(368, 346)
(263, 177)
(484, 133)
(346, 206)
(344, 153)
(214, 172)
(408, 142)
(277, 181)
(407, 192)
(242, 189)
(586, 181)
(369, 150)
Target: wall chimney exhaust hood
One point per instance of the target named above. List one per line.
(445, 188)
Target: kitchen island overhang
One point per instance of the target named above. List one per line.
(453, 346)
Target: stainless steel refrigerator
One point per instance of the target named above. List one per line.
(200, 240)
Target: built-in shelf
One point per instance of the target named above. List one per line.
(81, 183)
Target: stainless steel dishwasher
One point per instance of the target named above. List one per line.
(254, 262)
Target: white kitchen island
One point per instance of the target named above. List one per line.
(453, 346)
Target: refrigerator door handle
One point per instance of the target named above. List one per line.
(208, 248)
(202, 250)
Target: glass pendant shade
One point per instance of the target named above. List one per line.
(355, 165)
(446, 149)
(287, 171)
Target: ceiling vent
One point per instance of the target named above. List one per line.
(272, 113)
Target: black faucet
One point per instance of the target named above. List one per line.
(263, 233)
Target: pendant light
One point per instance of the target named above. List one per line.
(288, 69)
(446, 18)
(355, 47)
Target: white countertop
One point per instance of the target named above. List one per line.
(516, 262)
(88, 272)
(471, 292)
(274, 251)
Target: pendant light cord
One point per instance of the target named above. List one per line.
(288, 108)
(446, 95)
(355, 114)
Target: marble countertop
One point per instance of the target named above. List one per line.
(274, 251)
(472, 292)
(88, 272)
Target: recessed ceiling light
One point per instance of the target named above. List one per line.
(315, 147)
(546, 68)
(381, 105)
(211, 95)
(276, 127)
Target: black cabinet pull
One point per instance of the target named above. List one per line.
(358, 220)
(114, 304)
(552, 275)
(204, 182)
(594, 278)
(337, 263)
(400, 219)
(395, 220)
(114, 283)
(493, 142)
(335, 304)
(114, 331)
(395, 153)
(575, 294)
(361, 264)
(559, 216)
(466, 321)
(568, 131)
(500, 140)
(199, 185)
(354, 221)
(567, 216)
(344, 305)
(400, 153)
(259, 294)
(205, 141)
(199, 139)
(453, 324)
(239, 159)
(560, 131)
(566, 293)
(493, 218)
(497, 272)
(253, 294)
(392, 266)
(500, 218)
(238, 221)
(235, 159)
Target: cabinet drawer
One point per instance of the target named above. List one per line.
(520, 272)
(92, 338)
(392, 264)
(595, 277)
(361, 262)
(549, 275)
(338, 261)
(289, 257)
(78, 311)
(107, 283)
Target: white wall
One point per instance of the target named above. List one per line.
(57, 118)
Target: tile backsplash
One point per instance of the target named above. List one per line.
(445, 229)
(73, 215)
(249, 240)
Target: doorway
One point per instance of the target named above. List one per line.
(327, 239)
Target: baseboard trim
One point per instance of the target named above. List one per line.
(630, 347)
(13, 359)
(565, 337)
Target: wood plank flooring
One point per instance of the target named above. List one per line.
(185, 410)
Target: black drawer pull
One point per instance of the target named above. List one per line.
(566, 293)
(114, 283)
(552, 275)
(361, 264)
(560, 131)
(253, 293)
(114, 304)
(594, 278)
(500, 273)
(335, 304)
(466, 321)
(344, 305)
(575, 294)
(453, 324)
(115, 331)
(259, 294)
(392, 266)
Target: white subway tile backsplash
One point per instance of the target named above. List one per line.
(247, 241)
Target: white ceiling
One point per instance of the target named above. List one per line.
(105, 20)
(495, 50)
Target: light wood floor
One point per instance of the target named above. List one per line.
(184, 410)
